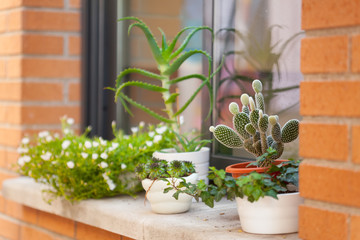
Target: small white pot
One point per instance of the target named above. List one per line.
(165, 203)
(270, 216)
(200, 159)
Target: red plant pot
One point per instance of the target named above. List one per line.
(240, 169)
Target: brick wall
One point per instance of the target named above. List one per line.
(330, 130)
(39, 83)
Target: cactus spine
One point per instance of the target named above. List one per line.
(254, 130)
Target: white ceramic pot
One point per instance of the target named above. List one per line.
(270, 216)
(165, 203)
(200, 159)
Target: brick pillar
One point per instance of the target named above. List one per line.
(39, 83)
(330, 130)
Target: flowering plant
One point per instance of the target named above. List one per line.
(78, 167)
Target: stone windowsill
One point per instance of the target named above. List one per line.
(130, 217)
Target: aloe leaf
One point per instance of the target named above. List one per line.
(182, 58)
(151, 41)
(130, 18)
(177, 80)
(187, 39)
(127, 109)
(145, 109)
(172, 98)
(163, 43)
(143, 85)
(139, 71)
(182, 109)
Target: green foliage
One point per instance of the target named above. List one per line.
(280, 178)
(168, 59)
(185, 143)
(79, 167)
(156, 169)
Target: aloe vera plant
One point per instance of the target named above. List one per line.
(168, 58)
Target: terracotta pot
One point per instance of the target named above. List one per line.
(241, 168)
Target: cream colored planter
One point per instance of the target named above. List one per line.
(200, 159)
(270, 216)
(165, 203)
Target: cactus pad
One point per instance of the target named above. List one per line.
(234, 108)
(257, 85)
(290, 131)
(239, 122)
(226, 136)
(254, 118)
(250, 129)
(263, 123)
(244, 99)
(276, 132)
(260, 103)
(279, 147)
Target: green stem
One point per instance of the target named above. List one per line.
(168, 106)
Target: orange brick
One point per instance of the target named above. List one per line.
(21, 212)
(355, 143)
(10, 136)
(329, 13)
(40, 91)
(336, 98)
(4, 176)
(6, 4)
(2, 69)
(322, 224)
(48, 114)
(51, 21)
(169, 8)
(15, 21)
(45, 68)
(324, 141)
(355, 53)
(75, 3)
(41, 44)
(324, 54)
(3, 25)
(10, 44)
(2, 158)
(330, 184)
(28, 233)
(11, 159)
(43, 3)
(56, 224)
(9, 229)
(74, 45)
(355, 227)
(74, 92)
(10, 114)
(2, 204)
(86, 232)
(10, 91)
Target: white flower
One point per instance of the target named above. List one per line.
(27, 158)
(103, 165)
(131, 146)
(157, 138)
(49, 138)
(56, 135)
(70, 164)
(21, 150)
(161, 130)
(181, 120)
(104, 155)
(70, 121)
(126, 136)
(105, 177)
(88, 144)
(25, 140)
(102, 141)
(142, 124)
(151, 134)
(111, 185)
(149, 143)
(43, 134)
(123, 165)
(67, 131)
(46, 156)
(94, 156)
(95, 144)
(21, 161)
(115, 145)
(65, 144)
(84, 155)
(134, 129)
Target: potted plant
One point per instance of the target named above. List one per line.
(169, 58)
(77, 167)
(155, 176)
(252, 127)
(267, 202)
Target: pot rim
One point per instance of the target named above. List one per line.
(241, 167)
(162, 151)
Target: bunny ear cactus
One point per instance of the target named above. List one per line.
(168, 59)
(254, 130)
